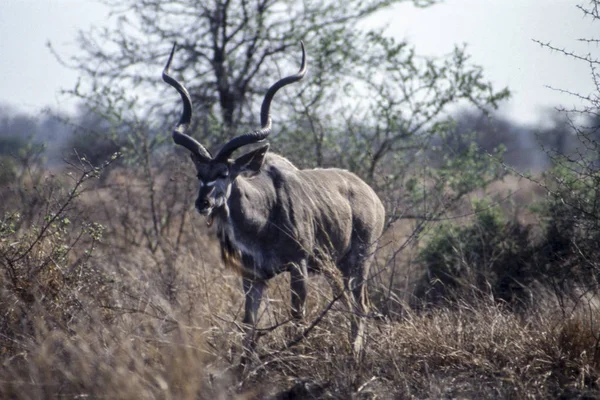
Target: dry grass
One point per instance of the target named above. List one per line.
(160, 320)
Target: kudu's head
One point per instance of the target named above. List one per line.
(216, 174)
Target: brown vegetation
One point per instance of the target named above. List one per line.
(117, 291)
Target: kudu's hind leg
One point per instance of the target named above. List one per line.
(359, 310)
(355, 269)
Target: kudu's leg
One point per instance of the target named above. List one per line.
(298, 287)
(356, 270)
(358, 307)
(253, 290)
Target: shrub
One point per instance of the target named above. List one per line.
(44, 262)
(8, 171)
(571, 214)
(489, 256)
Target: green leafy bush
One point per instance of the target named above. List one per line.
(571, 214)
(489, 256)
(8, 171)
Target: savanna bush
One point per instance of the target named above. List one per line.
(500, 256)
(7, 170)
(571, 216)
(490, 256)
(44, 259)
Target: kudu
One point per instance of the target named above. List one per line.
(272, 217)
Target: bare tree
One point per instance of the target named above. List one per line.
(371, 104)
(227, 47)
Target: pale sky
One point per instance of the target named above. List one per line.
(498, 33)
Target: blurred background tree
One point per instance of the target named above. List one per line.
(369, 103)
(572, 209)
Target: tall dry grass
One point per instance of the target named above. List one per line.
(147, 311)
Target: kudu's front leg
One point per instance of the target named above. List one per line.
(253, 290)
(298, 285)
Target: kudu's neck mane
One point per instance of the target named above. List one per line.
(261, 182)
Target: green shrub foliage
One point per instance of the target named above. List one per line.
(571, 213)
(491, 255)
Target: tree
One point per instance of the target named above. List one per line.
(572, 207)
(226, 58)
(226, 53)
(491, 131)
(16, 129)
(369, 103)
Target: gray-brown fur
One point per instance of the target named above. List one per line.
(272, 217)
(289, 215)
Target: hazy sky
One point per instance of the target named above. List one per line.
(498, 33)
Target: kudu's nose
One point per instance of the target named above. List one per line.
(202, 205)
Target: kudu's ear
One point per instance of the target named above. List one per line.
(252, 161)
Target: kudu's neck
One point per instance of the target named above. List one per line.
(253, 195)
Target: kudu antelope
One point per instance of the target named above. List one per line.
(272, 217)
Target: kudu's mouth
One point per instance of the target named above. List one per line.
(205, 212)
(208, 213)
